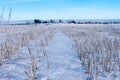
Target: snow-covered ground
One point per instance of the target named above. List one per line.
(64, 65)
(54, 53)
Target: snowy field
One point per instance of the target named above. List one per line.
(60, 52)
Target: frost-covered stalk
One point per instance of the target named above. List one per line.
(27, 71)
(1, 55)
(33, 64)
(7, 48)
(43, 43)
(45, 54)
(114, 69)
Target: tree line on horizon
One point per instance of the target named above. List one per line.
(37, 21)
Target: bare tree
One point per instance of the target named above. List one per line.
(2, 13)
(10, 12)
(9, 8)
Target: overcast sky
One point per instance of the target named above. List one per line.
(62, 9)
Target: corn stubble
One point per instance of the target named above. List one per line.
(31, 69)
(15, 40)
(98, 52)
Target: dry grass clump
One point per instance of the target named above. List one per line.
(31, 69)
(44, 43)
(1, 55)
(98, 51)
